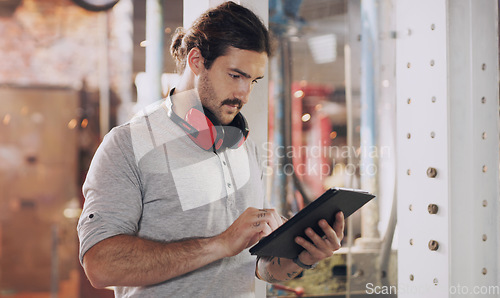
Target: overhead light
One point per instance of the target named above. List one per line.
(96, 5)
(6, 119)
(73, 209)
(298, 94)
(85, 123)
(72, 123)
(306, 117)
(323, 48)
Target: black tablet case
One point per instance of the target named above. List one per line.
(281, 243)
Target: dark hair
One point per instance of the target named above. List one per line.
(228, 24)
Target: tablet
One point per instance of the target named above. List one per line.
(281, 243)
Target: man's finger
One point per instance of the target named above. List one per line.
(270, 216)
(318, 241)
(316, 252)
(276, 222)
(330, 235)
(338, 225)
(266, 231)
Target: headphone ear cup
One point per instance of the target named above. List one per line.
(210, 135)
(236, 132)
(203, 128)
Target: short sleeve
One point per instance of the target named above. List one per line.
(112, 191)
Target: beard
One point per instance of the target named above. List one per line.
(208, 98)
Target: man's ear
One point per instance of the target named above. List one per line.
(195, 61)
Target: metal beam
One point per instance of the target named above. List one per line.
(447, 141)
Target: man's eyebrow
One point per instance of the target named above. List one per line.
(246, 75)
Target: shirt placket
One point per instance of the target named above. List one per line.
(228, 182)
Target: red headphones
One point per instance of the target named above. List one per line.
(208, 133)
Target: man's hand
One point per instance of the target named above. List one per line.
(252, 225)
(126, 260)
(322, 247)
(272, 269)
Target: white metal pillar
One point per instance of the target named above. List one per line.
(447, 142)
(154, 50)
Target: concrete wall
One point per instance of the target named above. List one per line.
(51, 58)
(56, 43)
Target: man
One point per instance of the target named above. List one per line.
(174, 198)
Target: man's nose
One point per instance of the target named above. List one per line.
(243, 93)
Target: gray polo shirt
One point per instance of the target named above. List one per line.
(149, 179)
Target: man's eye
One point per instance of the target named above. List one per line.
(234, 76)
(255, 82)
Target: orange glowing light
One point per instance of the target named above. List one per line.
(85, 123)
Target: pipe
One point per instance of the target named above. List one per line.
(369, 63)
(349, 124)
(154, 50)
(104, 109)
(386, 247)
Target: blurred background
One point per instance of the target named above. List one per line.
(71, 70)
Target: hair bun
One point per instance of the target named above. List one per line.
(176, 48)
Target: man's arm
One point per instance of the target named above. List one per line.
(125, 260)
(276, 269)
